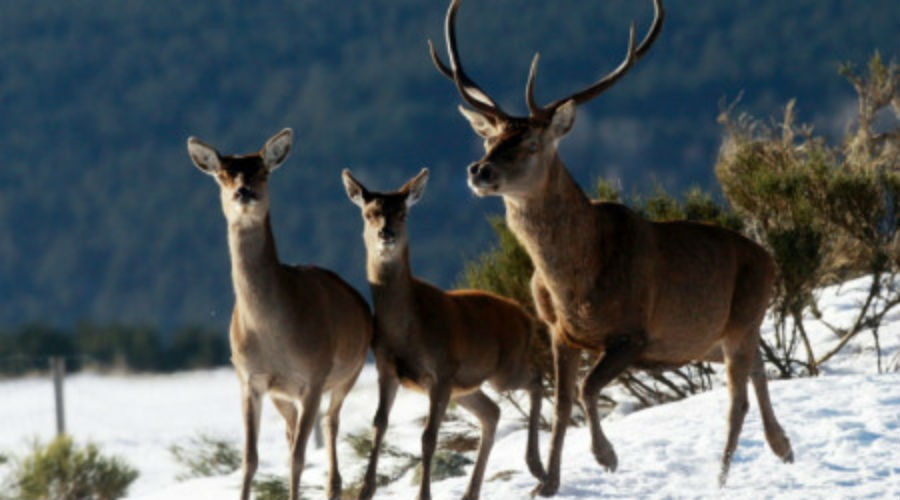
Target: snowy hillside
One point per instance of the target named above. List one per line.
(844, 427)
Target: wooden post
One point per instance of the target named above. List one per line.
(58, 369)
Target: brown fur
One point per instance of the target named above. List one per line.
(445, 344)
(637, 293)
(296, 331)
(640, 292)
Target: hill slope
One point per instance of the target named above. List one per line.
(106, 219)
(843, 426)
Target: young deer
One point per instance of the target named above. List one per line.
(445, 344)
(635, 292)
(296, 331)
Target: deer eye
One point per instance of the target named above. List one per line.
(532, 147)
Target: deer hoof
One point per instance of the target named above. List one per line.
(546, 488)
(788, 458)
(334, 488)
(367, 491)
(606, 457)
(537, 470)
(723, 476)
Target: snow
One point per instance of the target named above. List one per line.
(844, 427)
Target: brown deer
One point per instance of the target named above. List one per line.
(296, 331)
(634, 292)
(444, 344)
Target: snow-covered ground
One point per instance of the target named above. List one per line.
(844, 427)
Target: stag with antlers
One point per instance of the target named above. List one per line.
(635, 293)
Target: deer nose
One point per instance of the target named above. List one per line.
(386, 234)
(244, 194)
(479, 171)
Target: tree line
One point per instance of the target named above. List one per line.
(106, 219)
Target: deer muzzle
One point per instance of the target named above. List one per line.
(482, 178)
(245, 195)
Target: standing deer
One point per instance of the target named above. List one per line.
(296, 331)
(444, 344)
(634, 292)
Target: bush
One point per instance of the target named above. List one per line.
(206, 456)
(269, 487)
(119, 346)
(400, 462)
(62, 470)
(111, 346)
(826, 213)
(197, 347)
(444, 464)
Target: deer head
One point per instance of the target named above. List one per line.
(242, 179)
(384, 214)
(519, 151)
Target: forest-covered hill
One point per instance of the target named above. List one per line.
(103, 216)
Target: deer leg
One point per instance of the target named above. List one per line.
(488, 413)
(252, 409)
(565, 362)
(617, 357)
(332, 422)
(387, 389)
(532, 450)
(439, 397)
(737, 369)
(775, 435)
(288, 410)
(310, 410)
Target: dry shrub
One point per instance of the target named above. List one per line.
(826, 213)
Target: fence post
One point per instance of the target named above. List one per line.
(58, 369)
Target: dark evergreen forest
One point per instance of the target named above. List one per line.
(104, 218)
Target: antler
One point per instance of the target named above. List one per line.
(468, 89)
(478, 98)
(609, 80)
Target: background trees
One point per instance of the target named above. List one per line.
(104, 219)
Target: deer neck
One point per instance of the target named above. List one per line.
(254, 262)
(557, 226)
(391, 283)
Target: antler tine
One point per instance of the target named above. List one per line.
(632, 57)
(468, 89)
(533, 106)
(658, 15)
(437, 61)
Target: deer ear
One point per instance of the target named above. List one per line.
(277, 149)
(204, 156)
(415, 188)
(483, 125)
(563, 118)
(355, 190)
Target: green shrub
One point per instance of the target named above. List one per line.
(826, 213)
(444, 464)
(62, 470)
(505, 269)
(269, 487)
(205, 456)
